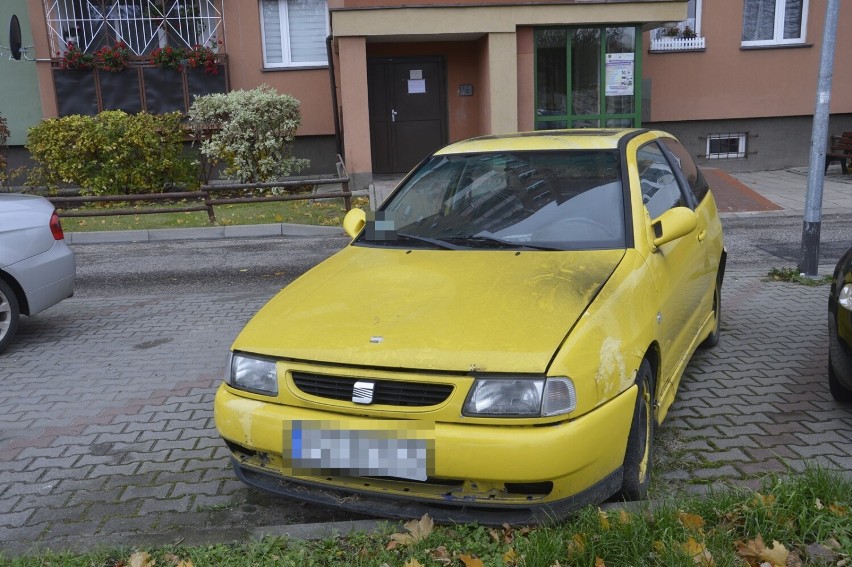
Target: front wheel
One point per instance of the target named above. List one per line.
(640, 441)
(839, 392)
(9, 314)
(713, 338)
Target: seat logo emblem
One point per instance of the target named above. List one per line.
(362, 392)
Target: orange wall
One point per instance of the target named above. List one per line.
(243, 45)
(725, 81)
(463, 60)
(526, 79)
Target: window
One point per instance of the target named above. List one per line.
(660, 189)
(687, 166)
(724, 146)
(774, 22)
(586, 77)
(143, 25)
(294, 32)
(680, 36)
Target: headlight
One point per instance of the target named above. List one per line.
(520, 397)
(844, 298)
(252, 374)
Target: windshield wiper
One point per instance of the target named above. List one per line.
(473, 239)
(426, 240)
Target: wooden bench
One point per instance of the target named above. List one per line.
(840, 150)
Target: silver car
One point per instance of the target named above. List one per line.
(37, 268)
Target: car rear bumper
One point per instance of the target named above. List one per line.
(537, 471)
(46, 278)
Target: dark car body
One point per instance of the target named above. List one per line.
(840, 330)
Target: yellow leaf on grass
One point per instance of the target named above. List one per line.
(838, 510)
(510, 557)
(471, 561)
(604, 520)
(692, 522)
(757, 554)
(577, 544)
(418, 530)
(599, 562)
(412, 563)
(699, 553)
(141, 559)
(624, 517)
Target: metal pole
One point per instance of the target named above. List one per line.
(819, 137)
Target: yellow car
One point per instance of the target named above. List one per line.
(498, 341)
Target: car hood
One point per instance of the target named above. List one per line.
(488, 311)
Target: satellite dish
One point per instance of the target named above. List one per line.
(15, 38)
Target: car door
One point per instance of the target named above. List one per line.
(679, 267)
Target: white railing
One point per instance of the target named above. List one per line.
(677, 44)
(141, 24)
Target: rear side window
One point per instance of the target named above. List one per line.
(691, 173)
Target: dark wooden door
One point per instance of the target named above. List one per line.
(408, 111)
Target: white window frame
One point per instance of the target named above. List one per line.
(741, 138)
(285, 44)
(778, 33)
(660, 41)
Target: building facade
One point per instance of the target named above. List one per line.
(385, 82)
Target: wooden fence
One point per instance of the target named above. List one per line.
(205, 198)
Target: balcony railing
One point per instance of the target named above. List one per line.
(677, 44)
(143, 25)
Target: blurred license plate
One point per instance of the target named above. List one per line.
(400, 449)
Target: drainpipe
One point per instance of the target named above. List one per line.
(334, 108)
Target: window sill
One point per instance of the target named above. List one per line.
(775, 46)
(305, 68)
(667, 45)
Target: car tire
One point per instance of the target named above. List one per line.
(839, 392)
(640, 442)
(713, 338)
(9, 314)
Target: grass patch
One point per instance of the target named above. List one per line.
(802, 520)
(794, 276)
(325, 212)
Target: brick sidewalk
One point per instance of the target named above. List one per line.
(107, 437)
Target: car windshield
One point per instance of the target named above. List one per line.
(538, 200)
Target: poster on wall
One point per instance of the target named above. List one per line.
(619, 74)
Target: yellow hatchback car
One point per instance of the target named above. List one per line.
(497, 342)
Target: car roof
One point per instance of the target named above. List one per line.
(576, 139)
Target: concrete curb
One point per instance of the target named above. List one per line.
(203, 233)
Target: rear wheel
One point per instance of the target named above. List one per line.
(838, 391)
(713, 338)
(9, 314)
(640, 442)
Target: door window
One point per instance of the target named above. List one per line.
(687, 166)
(660, 188)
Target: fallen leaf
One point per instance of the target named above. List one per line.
(699, 553)
(471, 561)
(624, 517)
(141, 559)
(412, 563)
(757, 554)
(838, 510)
(510, 557)
(418, 530)
(599, 562)
(604, 520)
(692, 522)
(577, 544)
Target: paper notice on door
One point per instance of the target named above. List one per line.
(415, 74)
(416, 86)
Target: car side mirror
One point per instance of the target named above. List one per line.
(354, 221)
(673, 224)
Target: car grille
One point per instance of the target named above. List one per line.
(386, 392)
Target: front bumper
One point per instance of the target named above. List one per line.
(476, 471)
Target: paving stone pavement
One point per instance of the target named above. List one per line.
(107, 435)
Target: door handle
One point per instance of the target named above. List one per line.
(393, 115)
(702, 235)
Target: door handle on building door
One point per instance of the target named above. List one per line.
(393, 115)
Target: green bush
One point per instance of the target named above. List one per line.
(112, 153)
(252, 132)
